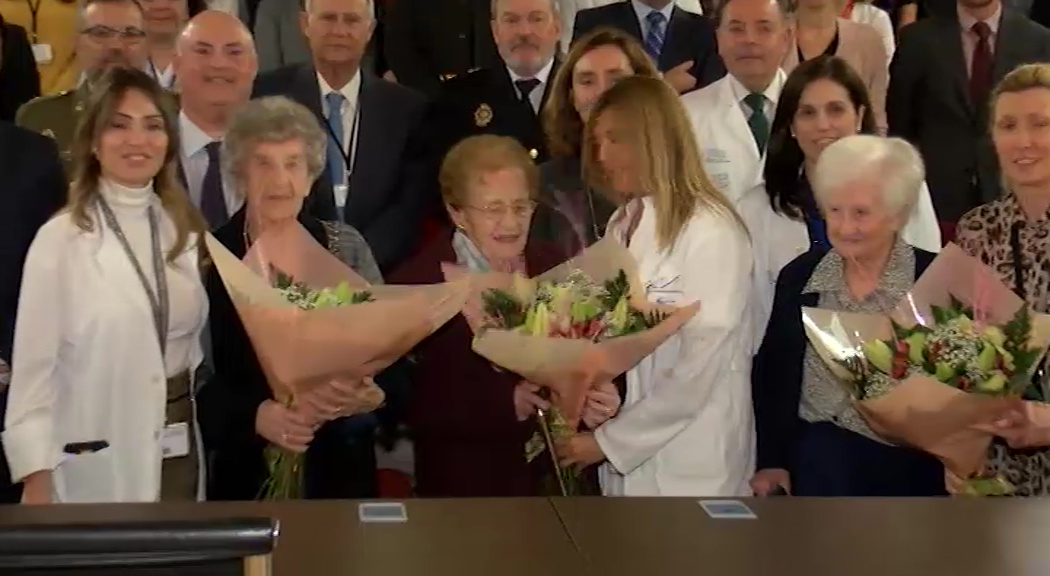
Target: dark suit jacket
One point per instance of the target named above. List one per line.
(1040, 13)
(426, 39)
(776, 377)
(335, 466)
(467, 440)
(689, 37)
(19, 79)
(385, 202)
(928, 103)
(33, 189)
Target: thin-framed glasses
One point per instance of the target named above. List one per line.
(102, 33)
(498, 210)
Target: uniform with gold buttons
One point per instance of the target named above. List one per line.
(55, 116)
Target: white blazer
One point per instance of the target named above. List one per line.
(87, 367)
(686, 426)
(568, 9)
(730, 155)
(777, 240)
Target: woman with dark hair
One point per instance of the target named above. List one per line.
(572, 213)
(110, 317)
(822, 101)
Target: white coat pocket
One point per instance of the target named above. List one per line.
(85, 477)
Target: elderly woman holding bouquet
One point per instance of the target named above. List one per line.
(469, 420)
(1010, 236)
(275, 149)
(811, 440)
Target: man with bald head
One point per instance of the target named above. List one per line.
(215, 64)
(732, 117)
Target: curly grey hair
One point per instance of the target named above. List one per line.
(274, 119)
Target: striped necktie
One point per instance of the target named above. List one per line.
(654, 34)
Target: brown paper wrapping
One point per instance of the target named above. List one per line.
(921, 411)
(569, 368)
(298, 349)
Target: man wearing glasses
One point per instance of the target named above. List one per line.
(110, 33)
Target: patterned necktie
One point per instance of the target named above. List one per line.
(654, 35)
(757, 121)
(525, 88)
(981, 66)
(213, 200)
(336, 163)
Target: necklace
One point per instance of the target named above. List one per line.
(247, 239)
(594, 214)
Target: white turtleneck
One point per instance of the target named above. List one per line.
(186, 300)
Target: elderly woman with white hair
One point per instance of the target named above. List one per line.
(811, 441)
(275, 149)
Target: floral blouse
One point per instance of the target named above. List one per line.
(1018, 250)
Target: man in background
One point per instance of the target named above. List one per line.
(373, 175)
(110, 33)
(164, 20)
(33, 189)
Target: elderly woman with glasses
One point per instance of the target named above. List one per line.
(811, 441)
(275, 149)
(469, 420)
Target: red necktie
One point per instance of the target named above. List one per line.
(981, 67)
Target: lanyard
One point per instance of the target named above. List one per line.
(348, 154)
(34, 9)
(157, 75)
(158, 301)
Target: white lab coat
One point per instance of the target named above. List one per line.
(569, 8)
(727, 148)
(777, 240)
(686, 426)
(87, 367)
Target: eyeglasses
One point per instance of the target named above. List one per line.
(102, 33)
(498, 210)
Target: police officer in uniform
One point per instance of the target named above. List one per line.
(111, 33)
(425, 41)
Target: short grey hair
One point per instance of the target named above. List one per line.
(494, 7)
(274, 119)
(83, 5)
(370, 7)
(893, 162)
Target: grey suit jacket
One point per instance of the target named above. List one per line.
(279, 40)
(928, 103)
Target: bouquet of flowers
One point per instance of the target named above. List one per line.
(578, 325)
(312, 320)
(945, 363)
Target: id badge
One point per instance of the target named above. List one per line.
(341, 191)
(42, 53)
(175, 440)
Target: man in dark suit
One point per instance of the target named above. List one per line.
(372, 160)
(680, 42)
(1040, 13)
(34, 188)
(940, 82)
(19, 78)
(426, 41)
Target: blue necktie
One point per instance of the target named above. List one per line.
(654, 35)
(213, 199)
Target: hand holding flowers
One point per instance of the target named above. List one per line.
(603, 402)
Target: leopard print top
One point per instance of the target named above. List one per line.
(985, 233)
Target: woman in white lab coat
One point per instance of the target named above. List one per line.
(823, 100)
(110, 317)
(685, 428)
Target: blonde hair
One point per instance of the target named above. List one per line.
(1021, 79)
(476, 156)
(104, 99)
(659, 135)
(561, 122)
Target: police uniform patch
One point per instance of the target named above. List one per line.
(483, 115)
(533, 153)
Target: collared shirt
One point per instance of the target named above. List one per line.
(970, 38)
(351, 130)
(772, 94)
(195, 164)
(642, 11)
(824, 395)
(165, 77)
(536, 96)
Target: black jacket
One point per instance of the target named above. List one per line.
(19, 79)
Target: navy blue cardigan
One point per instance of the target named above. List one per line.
(776, 377)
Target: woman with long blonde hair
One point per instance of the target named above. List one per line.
(110, 317)
(685, 428)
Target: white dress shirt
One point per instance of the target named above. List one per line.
(165, 77)
(772, 94)
(195, 164)
(536, 96)
(569, 8)
(87, 363)
(642, 11)
(351, 129)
